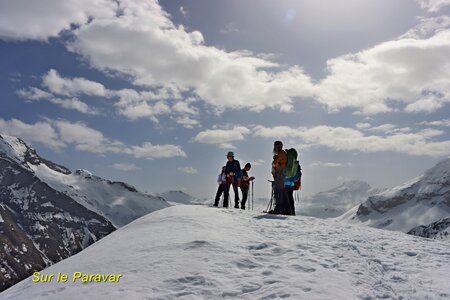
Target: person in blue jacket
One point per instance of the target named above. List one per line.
(234, 174)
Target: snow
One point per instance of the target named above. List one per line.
(336, 201)
(117, 202)
(12, 147)
(180, 197)
(196, 252)
(419, 201)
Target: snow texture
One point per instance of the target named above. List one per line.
(195, 252)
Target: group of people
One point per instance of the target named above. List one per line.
(233, 175)
(286, 173)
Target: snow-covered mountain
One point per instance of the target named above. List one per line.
(38, 225)
(48, 213)
(439, 230)
(180, 197)
(421, 201)
(195, 252)
(119, 202)
(336, 201)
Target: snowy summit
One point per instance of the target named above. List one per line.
(194, 252)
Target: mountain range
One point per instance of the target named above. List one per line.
(48, 213)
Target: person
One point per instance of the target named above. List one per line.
(232, 171)
(222, 181)
(245, 183)
(278, 172)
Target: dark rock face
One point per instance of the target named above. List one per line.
(38, 225)
(438, 230)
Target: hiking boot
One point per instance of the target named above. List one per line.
(242, 206)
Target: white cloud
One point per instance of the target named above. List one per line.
(230, 28)
(187, 122)
(403, 70)
(150, 151)
(40, 132)
(188, 170)
(184, 11)
(72, 86)
(348, 139)
(224, 79)
(35, 94)
(222, 137)
(125, 167)
(443, 122)
(428, 27)
(428, 104)
(433, 5)
(363, 125)
(57, 134)
(325, 164)
(23, 19)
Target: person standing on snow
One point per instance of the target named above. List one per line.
(245, 183)
(222, 181)
(278, 171)
(234, 174)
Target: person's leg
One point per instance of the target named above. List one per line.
(290, 193)
(244, 197)
(236, 195)
(218, 194)
(226, 191)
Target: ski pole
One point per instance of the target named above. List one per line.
(252, 194)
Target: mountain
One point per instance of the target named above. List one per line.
(48, 213)
(336, 201)
(180, 197)
(439, 230)
(197, 252)
(420, 201)
(38, 225)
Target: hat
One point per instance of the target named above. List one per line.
(230, 154)
(278, 143)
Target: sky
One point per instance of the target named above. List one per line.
(156, 93)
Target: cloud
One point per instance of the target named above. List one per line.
(188, 170)
(58, 134)
(184, 12)
(125, 167)
(428, 27)
(443, 122)
(403, 71)
(150, 151)
(40, 20)
(363, 125)
(230, 28)
(222, 137)
(72, 87)
(35, 94)
(433, 5)
(39, 132)
(179, 58)
(187, 122)
(349, 139)
(325, 164)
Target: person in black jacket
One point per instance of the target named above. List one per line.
(233, 173)
(245, 183)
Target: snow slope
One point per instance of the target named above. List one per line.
(195, 252)
(420, 201)
(336, 201)
(180, 197)
(118, 202)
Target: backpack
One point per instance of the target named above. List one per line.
(298, 175)
(292, 164)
